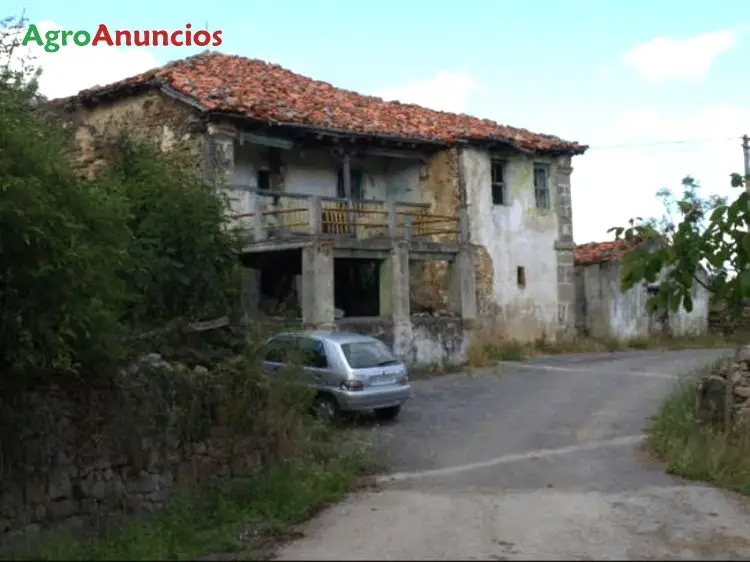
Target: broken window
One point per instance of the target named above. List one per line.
(541, 186)
(499, 195)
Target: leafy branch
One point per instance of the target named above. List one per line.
(703, 241)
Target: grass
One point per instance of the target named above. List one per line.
(488, 348)
(239, 516)
(692, 449)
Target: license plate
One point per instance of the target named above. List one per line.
(378, 380)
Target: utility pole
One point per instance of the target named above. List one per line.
(746, 154)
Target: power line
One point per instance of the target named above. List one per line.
(662, 143)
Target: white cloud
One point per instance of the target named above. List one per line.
(446, 91)
(613, 185)
(688, 59)
(72, 68)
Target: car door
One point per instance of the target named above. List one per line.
(315, 361)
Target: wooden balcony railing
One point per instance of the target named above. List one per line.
(290, 215)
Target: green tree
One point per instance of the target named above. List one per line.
(85, 263)
(61, 239)
(695, 235)
(182, 259)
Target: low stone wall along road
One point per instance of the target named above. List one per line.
(535, 460)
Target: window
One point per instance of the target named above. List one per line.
(313, 353)
(279, 350)
(366, 354)
(263, 178)
(541, 186)
(356, 176)
(499, 196)
(521, 276)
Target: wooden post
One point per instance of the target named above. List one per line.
(259, 226)
(346, 171)
(315, 217)
(392, 220)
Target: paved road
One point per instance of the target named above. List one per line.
(539, 460)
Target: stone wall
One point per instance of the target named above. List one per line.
(172, 125)
(77, 464)
(724, 394)
(439, 186)
(604, 311)
(720, 322)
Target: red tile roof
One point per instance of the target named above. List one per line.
(600, 252)
(268, 92)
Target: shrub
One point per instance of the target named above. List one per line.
(61, 246)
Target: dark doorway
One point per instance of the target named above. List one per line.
(279, 274)
(357, 286)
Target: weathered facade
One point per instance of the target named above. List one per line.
(527, 283)
(355, 207)
(603, 310)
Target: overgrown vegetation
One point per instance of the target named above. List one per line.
(94, 272)
(693, 449)
(243, 517)
(485, 351)
(705, 242)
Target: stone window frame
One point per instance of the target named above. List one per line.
(499, 188)
(542, 192)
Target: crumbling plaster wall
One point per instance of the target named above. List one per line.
(439, 187)
(433, 341)
(315, 172)
(605, 311)
(173, 125)
(515, 235)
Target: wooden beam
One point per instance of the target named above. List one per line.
(395, 153)
(346, 166)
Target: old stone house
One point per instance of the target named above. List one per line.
(603, 310)
(379, 209)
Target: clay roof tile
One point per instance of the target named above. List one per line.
(264, 91)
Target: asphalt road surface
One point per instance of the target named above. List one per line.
(536, 460)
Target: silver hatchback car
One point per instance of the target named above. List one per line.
(350, 372)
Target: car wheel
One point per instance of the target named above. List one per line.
(327, 409)
(387, 414)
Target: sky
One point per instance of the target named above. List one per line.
(659, 89)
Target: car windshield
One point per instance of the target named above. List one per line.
(368, 353)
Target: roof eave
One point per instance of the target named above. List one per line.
(328, 132)
(495, 142)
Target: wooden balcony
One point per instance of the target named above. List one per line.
(288, 220)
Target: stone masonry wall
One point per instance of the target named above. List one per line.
(173, 125)
(566, 289)
(724, 393)
(429, 279)
(73, 472)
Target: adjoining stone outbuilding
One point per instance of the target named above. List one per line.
(410, 223)
(604, 311)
